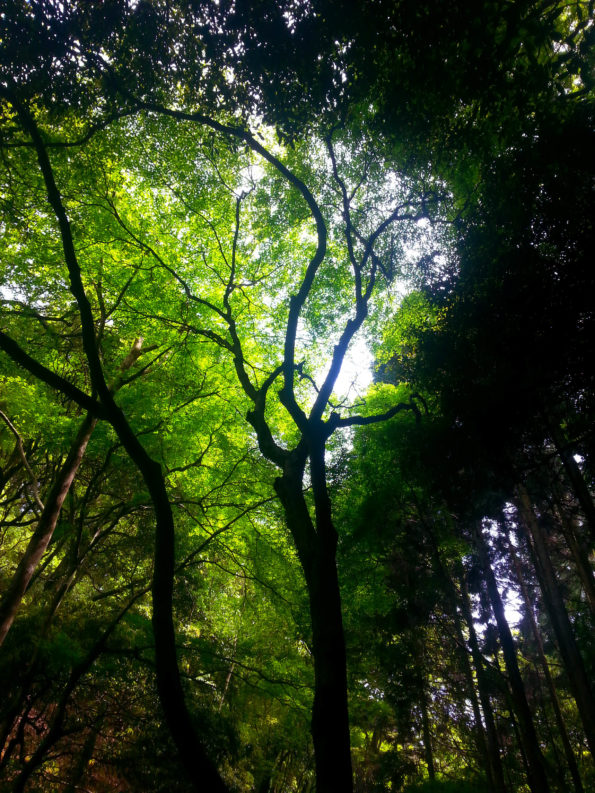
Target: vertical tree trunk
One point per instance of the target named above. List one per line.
(495, 783)
(494, 775)
(579, 553)
(537, 778)
(495, 761)
(426, 732)
(570, 758)
(200, 769)
(569, 651)
(45, 528)
(330, 719)
(317, 552)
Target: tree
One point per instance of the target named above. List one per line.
(316, 546)
(172, 215)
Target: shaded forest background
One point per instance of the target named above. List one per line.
(220, 569)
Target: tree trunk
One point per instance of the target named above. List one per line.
(45, 528)
(200, 769)
(495, 761)
(330, 719)
(569, 651)
(579, 553)
(427, 733)
(570, 758)
(317, 551)
(495, 782)
(495, 778)
(537, 778)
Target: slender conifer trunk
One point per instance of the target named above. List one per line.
(495, 761)
(570, 758)
(556, 609)
(537, 778)
(578, 550)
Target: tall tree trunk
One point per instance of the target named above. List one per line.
(330, 719)
(495, 761)
(579, 553)
(427, 732)
(495, 777)
(537, 778)
(317, 552)
(569, 651)
(200, 769)
(45, 528)
(569, 754)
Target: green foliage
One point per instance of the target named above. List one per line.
(474, 128)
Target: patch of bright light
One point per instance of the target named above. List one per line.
(356, 373)
(512, 608)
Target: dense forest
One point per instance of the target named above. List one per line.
(232, 559)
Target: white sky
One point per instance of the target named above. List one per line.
(356, 372)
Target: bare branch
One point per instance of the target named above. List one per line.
(336, 421)
(347, 218)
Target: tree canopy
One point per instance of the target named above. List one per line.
(221, 568)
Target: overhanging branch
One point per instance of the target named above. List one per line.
(22, 358)
(336, 421)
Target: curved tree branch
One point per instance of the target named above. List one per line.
(336, 421)
(22, 358)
